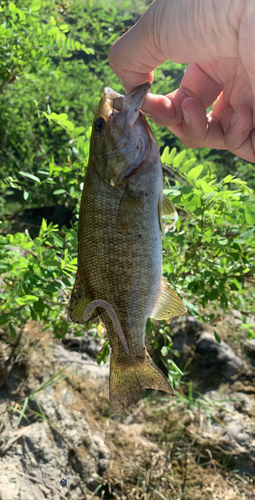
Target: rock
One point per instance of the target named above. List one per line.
(82, 362)
(87, 343)
(236, 434)
(220, 355)
(66, 448)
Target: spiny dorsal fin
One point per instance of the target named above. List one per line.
(167, 210)
(169, 304)
(80, 299)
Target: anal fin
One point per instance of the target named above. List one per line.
(169, 304)
(80, 299)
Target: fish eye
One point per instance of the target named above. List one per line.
(99, 124)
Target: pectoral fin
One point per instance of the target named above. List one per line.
(167, 210)
(130, 202)
(169, 304)
(80, 299)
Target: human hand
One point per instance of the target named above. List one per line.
(217, 39)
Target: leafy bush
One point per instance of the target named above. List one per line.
(210, 253)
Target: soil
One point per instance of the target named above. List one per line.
(187, 447)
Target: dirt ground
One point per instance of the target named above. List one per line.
(159, 451)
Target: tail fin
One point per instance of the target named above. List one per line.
(127, 382)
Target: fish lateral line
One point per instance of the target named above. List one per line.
(115, 320)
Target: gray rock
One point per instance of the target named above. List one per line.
(221, 355)
(82, 362)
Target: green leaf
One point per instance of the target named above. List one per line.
(249, 213)
(25, 194)
(12, 7)
(36, 5)
(217, 337)
(222, 241)
(4, 318)
(164, 350)
(213, 294)
(187, 164)
(53, 21)
(178, 159)
(28, 299)
(59, 191)
(12, 330)
(39, 306)
(195, 172)
(30, 176)
(165, 154)
(64, 27)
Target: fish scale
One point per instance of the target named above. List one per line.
(119, 273)
(112, 266)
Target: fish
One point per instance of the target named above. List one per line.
(119, 273)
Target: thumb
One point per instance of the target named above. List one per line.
(180, 30)
(135, 55)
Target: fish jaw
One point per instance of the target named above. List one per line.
(131, 102)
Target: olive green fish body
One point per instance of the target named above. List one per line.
(119, 242)
(121, 254)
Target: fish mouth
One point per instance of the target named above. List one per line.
(134, 101)
(128, 106)
(131, 103)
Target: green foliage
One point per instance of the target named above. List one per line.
(209, 254)
(37, 278)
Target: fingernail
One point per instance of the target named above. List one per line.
(186, 117)
(235, 117)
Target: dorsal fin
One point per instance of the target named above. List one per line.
(169, 304)
(167, 210)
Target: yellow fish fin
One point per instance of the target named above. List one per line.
(167, 210)
(160, 215)
(115, 320)
(80, 299)
(169, 304)
(127, 382)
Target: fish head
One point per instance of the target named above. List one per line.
(121, 138)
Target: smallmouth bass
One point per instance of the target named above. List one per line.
(120, 230)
